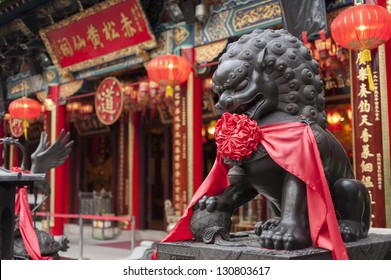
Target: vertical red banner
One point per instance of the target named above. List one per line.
(367, 121)
(179, 151)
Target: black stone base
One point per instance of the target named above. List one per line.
(245, 246)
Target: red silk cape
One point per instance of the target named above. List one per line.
(26, 228)
(293, 147)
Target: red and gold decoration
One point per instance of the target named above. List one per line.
(25, 109)
(180, 172)
(109, 101)
(79, 110)
(107, 31)
(16, 127)
(361, 28)
(145, 96)
(169, 70)
(367, 121)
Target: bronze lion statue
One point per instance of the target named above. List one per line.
(270, 77)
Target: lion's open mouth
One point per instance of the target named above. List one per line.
(257, 101)
(248, 108)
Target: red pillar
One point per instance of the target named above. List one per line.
(60, 189)
(197, 131)
(135, 204)
(1, 136)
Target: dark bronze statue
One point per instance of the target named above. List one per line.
(270, 76)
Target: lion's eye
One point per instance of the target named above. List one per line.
(242, 85)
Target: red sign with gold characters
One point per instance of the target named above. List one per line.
(16, 127)
(109, 101)
(97, 35)
(369, 154)
(179, 151)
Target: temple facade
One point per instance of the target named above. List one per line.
(146, 149)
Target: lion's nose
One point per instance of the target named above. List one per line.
(229, 102)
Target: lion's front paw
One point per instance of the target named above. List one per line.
(286, 237)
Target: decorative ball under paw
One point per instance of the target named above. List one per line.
(206, 225)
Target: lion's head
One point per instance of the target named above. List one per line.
(267, 71)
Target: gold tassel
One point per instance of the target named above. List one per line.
(367, 58)
(25, 128)
(371, 83)
(169, 91)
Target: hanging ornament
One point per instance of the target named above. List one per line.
(361, 28)
(25, 109)
(169, 70)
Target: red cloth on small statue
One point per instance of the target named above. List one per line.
(26, 228)
(292, 146)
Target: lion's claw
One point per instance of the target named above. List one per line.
(208, 202)
(269, 224)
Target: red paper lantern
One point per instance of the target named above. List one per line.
(25, 109)
(169, 70)
(361, 27)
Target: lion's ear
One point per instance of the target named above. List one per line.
(261, 60)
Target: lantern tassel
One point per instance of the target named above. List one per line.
(367, 59)
(25, 128)
(169, 91)
(371, 83)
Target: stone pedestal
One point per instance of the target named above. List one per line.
(245, 246)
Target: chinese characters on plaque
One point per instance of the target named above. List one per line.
(109, 101)
(368, 130)
(107, 31)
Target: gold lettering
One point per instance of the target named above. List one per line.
(364, 120)
(363, 93)
(363, 57)
(94, 37)
(65, 47)
(366, 167)
(364, 106)
(362, 74)
(127, 27)
(21, 86)
(367, 181)
(110, 31)
(365, 135)
(78, 42)
(365, 152)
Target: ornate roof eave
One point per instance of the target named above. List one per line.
(12, 9)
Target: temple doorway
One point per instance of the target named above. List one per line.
(155, 174)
